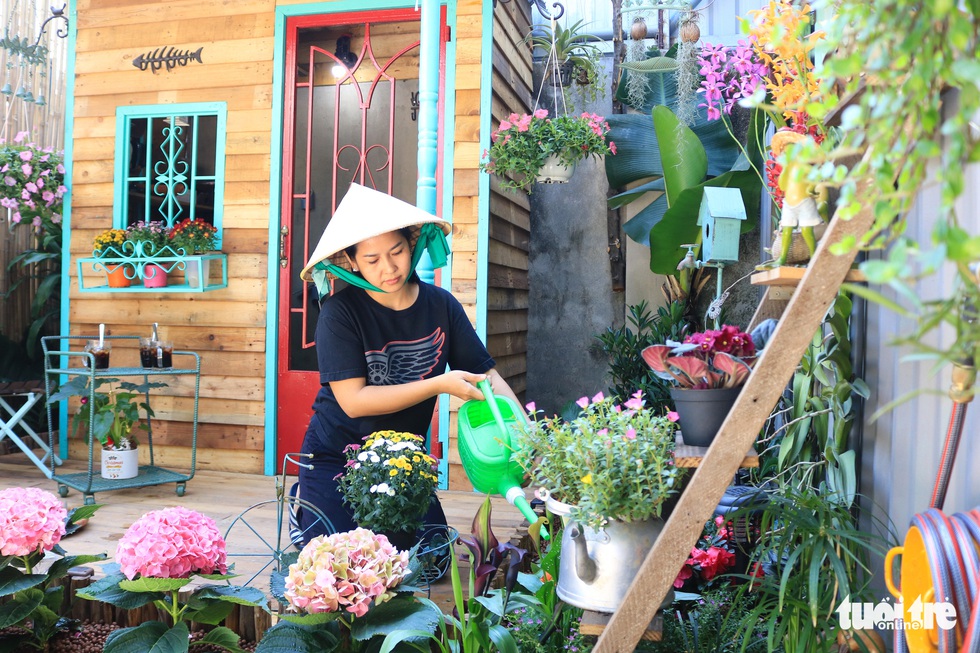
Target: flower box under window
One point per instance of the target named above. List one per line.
(185, 272)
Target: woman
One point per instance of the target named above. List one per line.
(383, 343)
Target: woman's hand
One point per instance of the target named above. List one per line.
(462, 384)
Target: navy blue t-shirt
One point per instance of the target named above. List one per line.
(358, 337)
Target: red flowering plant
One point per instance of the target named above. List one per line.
(704, 361)
(194, 236)
(712, 555)
(155, 559)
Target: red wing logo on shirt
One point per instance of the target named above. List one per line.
(402, 361)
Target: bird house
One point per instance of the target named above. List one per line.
(720, 219)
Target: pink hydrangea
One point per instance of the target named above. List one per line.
(345, 571)
(172, 543)
(31, 521)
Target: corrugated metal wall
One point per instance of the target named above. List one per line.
(902, 449)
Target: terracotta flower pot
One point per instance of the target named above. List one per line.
(116, 275)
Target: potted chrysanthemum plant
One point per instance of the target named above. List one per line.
(389, 483)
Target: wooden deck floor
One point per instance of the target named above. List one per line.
(223, 496)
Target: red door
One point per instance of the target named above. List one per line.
(350, 112)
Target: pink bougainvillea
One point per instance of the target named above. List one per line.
(172, 543)
(31, 521)
(345, 571)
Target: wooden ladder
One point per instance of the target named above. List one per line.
(773, 370)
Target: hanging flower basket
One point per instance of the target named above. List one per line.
(523, 145)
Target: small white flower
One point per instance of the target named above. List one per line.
(362, 456)
(390, 492)
(382, 488)
(405, 445)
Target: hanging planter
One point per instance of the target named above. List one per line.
(526, 148)
(554, 171)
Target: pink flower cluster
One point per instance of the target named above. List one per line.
(172, 543)
(31, 182)
(31, 521)
(729, 340)
(730, 75)
(345, 571)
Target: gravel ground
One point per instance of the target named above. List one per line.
(91, 639)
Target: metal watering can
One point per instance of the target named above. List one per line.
(597, 567)
(484, 441)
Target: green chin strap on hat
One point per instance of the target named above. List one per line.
(431, 239)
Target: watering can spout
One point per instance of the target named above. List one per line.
(484, 447)
(585, 567)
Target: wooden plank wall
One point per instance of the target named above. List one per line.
(509, 213)
(510, 223)
(227, 326)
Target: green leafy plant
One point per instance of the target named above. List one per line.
(812, 447)
(925, 57)
(109, 416)
(522, 143)
(33, 565)
(593, 462)
(389, 481)
(478, 623)
(627, 371)
(683, 169)
(815, 555)
(571, 47)
(711, 624)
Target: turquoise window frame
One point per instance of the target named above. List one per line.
(124, 118)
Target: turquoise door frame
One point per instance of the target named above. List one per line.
(428, 160)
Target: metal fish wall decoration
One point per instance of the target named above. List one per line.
(169, 58)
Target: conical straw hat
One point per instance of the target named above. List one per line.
(365, 213)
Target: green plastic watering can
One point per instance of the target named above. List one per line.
(485, 448)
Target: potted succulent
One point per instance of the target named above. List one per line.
(109, 244)
(533, 147)
(195, 237)
(613, 467)
(706, 373)
(389, 483)
(147, 240)
(111, 418)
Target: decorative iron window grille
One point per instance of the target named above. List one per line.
(170, 163)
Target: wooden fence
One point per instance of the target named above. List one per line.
(45, 124)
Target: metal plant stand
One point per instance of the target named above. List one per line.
(58, 358)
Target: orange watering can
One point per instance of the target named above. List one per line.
(485, 448)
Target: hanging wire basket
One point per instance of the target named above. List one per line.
(434, 553)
